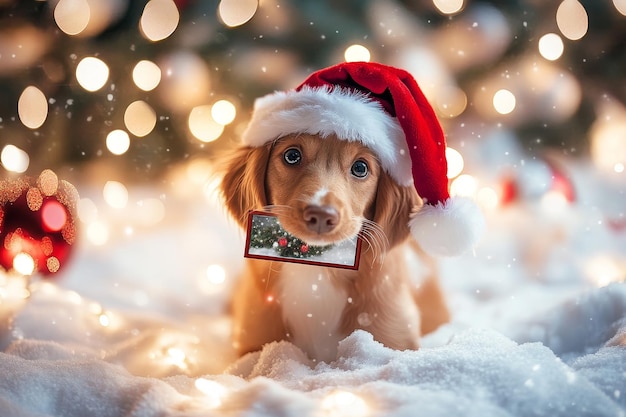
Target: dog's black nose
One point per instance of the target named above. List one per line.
(320, 219)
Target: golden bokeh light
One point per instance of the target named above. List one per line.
(223, 112)
(92, 73)
(24, 264)
(504, 101)
(572, 19)
(357, 53)
(343, 404)
(236, 12)
(32, 107)
(448, 6)
(450, 101)
(97, 233)
(72, 16)
(464, 185)
(118, 142)
(115, 194)
(620, 6)
(14, 159)
(455, 162)
(146, 75)
(139, 118)
(202, 125)
(551, 46)
(159, 19)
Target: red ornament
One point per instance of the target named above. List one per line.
(37, 223)
(304, 248)
(282, 242)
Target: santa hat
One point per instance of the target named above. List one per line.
(383, 108)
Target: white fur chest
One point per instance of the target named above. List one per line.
(312, 306)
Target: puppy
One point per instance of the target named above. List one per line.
(323, 191)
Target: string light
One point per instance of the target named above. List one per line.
(14, 159)
(32, 107)
(357, 53)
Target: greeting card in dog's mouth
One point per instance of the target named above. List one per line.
(267, 239)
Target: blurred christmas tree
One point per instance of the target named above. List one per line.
(544, 72)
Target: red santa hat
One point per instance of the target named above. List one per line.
(383, 108)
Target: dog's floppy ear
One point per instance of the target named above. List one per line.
(393, 207)
(243, 182)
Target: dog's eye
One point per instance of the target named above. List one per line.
(359, 169)
(292, 156)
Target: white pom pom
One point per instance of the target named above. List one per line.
(449, 228)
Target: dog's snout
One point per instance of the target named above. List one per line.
(320, 219)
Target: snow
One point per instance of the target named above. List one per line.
(136, 327)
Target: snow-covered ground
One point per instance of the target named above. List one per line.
(137, 326)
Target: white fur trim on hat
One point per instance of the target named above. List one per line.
(449, 228)
(325, 111)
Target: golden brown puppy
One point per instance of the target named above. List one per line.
(325, 190)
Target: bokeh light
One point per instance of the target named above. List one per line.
(504, 101)
(24, 264)
(213, 391)
(448, 6)
(146, 75)
(118, 142)
(92, 73)
(115, 194)
(185, 81)
(159, 19)
(32, 107)
(551, 46)
(202, 125)
(236, 12)
(223, 112)
(53, 216)
(343, 404)
(357, 53)
(87, 210)
(98, 233)
(464, 185)
(450, 102)
(455, 162)
(14, 159)
(572, 19)
(72, 16)
(620, 6)
(139, 118)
